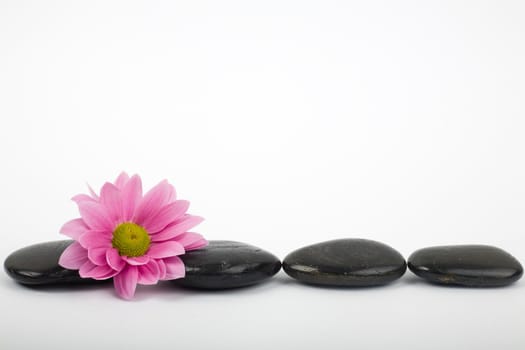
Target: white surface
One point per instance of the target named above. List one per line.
(284, 123)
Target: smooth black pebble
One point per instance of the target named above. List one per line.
(227, 264)
(220, 265)
(38, 264)
(345, 262)
(466, 265)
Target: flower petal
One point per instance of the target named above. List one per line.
(98, 256)
(149, 273)
(182, 225)
(153, 201)
(136, 260)
(165, 249)
(162, 269)
(86, 268)
(121, 180)
(103, 273)
(191, 240)
(92, 193)
(174, 268)
(74, 228)
(95, 216)
(111, 199)
(90, 270)
(79, 198)
(167, 214)
(197, 245)
(126, 282)
(114, 260)
(73, 257)
(131, 196)
(95, 239)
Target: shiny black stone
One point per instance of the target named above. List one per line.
(38, 264)
(466, 265)
(345, 262)
(227, 264)
(220, 265)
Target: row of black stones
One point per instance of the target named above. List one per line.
(342, 262)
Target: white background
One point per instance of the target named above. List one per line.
(285, 123)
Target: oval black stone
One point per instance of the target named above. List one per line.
(38, 264)
(345, 262)
(466, 265)
(227, 264)
(220, 265)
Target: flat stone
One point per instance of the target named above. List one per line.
(466, 265)
(220, 265)
(38, 265)
(227, 264)
(347, 262)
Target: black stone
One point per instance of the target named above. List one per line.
(220, 265)
(345, 262)
(466, 265)
(38, 264)
(227, 264)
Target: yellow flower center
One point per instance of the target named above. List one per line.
(130, 239)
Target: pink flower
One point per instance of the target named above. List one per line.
(130, 237)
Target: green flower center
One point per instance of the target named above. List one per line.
(130, 239)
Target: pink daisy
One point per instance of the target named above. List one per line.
(133, 238)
